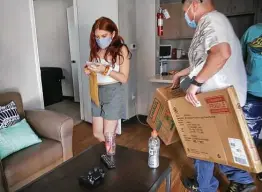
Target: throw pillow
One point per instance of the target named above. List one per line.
(17, 137)
(8, 115)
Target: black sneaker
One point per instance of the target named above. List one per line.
(259, 176)
(190, 184)
(238, 187)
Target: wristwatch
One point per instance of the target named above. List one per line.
(194, 82)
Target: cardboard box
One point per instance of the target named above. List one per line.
(160, 118)
(217, 131)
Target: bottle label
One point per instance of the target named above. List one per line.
(153, 151)
(153, 159)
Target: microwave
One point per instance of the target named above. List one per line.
(165, 52)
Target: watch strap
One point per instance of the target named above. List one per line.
(194, 82)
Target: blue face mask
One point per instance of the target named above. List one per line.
(103, 42)
(190, 23)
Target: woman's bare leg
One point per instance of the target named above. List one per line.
(98, 128)
(110, 125)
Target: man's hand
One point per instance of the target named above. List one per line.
(191, 95)
(176, 81)
(178, 75)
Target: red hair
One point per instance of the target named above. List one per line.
(114, 49)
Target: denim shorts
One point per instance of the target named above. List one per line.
(111, 102)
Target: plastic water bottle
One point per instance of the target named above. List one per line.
(153, 150)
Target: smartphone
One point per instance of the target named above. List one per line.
(88, 63)
(92, 63)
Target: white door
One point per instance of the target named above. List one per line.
(73, 37)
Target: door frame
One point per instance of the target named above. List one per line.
(78, 61)
(78, 55)
(73, 36)
(36, 53)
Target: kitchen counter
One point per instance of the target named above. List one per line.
(161, 79)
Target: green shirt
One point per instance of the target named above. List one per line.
(252, 52)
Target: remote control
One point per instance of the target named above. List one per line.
(108, 161)
(93, 178)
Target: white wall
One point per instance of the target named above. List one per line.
(146, 53)
(20, 70)
(53, 40)
(127, 29)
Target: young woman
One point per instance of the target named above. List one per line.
(112, 58)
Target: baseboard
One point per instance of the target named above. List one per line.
(134, 119)
(68, 98)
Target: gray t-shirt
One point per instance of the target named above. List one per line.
(214, 28)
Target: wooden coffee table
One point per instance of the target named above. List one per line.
(131, 174)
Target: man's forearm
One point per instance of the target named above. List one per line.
(183, 73)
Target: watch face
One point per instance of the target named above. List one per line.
(192, 80)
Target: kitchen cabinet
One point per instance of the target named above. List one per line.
(241, 23)
(223, 6)
(175, 27)
(171, 25)
(234, 7)
(259, 12)
(242, 6)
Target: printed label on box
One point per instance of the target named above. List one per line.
(155, 110)
(169, 120)
(238, 152)
(217, 105)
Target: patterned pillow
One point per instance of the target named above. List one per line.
(8, 115)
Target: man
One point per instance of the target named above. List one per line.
(252, 53)
(215, 62)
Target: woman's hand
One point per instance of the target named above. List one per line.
(97, 68)
(86, 70)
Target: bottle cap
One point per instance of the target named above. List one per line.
(154, 133)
